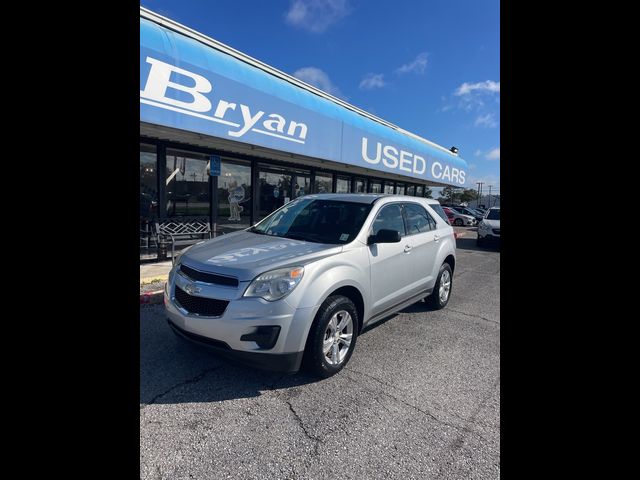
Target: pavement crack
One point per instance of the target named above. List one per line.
(474, 316)
(317, 441)
(464, 428)
(195, 379)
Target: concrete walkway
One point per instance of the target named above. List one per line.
(154, 271)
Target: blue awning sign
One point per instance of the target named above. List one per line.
(187, 85)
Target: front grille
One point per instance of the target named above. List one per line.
(496, 231)
(194, 274)
(209, 307)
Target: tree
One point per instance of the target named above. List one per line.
(468, 195)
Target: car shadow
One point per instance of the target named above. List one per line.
(470, 243)
(174, 370)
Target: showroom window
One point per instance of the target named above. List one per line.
(148, 195)
(376, 187)
(187, 184)
(234, 196)
(343, 185)
(323, 183)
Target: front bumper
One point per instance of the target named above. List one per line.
(282, 362)
(243, 316)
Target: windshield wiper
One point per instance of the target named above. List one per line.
(255, 230)
(297, 236)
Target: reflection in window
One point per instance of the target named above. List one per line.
(399, 189)
(360, 186)
(389, 218)
(388, 187)
(411, 190)
(187, 184)
(376, 187)
(419, 191)
(343, 185)
(418, 220)
(302, 186)
(323, 183)
(148, 196)
(234, 196)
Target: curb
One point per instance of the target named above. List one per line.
(157, 278)
(152, 298)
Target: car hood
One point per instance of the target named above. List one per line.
(492, 223)
(245, 255)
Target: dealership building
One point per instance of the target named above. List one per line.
(228, 138)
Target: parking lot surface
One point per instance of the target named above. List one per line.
(420, 398)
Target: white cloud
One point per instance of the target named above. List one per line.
(493, 154)
(488, 86)
(488, 120)
(371, 81)
(318, 79)
(417, 66)
(316, 15)
(478, 153)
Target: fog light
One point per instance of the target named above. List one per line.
(264, 336)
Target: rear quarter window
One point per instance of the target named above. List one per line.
(438, 209)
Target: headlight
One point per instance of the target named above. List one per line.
(275, 284)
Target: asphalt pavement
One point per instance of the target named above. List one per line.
(419, 399)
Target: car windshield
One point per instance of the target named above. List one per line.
(494, 214)
(315, 220)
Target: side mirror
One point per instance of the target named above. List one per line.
(385, 236)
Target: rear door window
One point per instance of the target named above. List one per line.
(418, 219)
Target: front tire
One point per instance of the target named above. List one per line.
(332, 337)
(458, 222)
(442, 289)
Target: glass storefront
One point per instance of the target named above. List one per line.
(324, 183)
(274, 190)
(301, 185)
(148, 196)
(187, 184)
(234, 196)
(343, 185)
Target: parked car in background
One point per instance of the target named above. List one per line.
(459, 219)
(489, 227)
(469, 211)
(308, 278)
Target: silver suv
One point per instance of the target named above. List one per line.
(300, 285)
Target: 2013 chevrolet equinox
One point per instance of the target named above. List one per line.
(303, 282)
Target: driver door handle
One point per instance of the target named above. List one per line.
(436, 237)
(407, 248)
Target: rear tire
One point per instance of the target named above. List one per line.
(440, 296)
(458, 222)
(332, 337)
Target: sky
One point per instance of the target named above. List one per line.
(432, 67)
